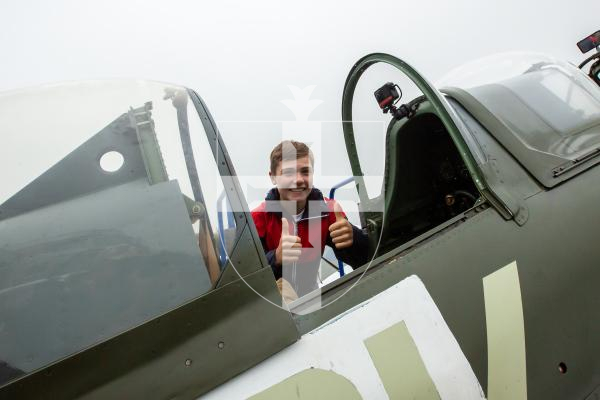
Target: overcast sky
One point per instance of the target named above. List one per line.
(241, 57)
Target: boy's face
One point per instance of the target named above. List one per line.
(294, 179)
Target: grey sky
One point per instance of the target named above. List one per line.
(241, 56)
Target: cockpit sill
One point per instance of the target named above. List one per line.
(336, 289)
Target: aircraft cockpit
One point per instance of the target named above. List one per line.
(443, 147)
(426, 178)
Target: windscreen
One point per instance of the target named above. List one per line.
(551, 107)
(109, 215)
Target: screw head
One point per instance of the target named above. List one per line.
(562, 368)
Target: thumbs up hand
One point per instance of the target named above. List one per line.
(341, 230)
(289, 247)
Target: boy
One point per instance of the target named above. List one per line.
(295, 222)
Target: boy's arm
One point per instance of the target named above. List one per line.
(259, 221)
(271, 259)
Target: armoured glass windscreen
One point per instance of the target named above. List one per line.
(109, 215)
(551, 106)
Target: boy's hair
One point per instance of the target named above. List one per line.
(289, 150)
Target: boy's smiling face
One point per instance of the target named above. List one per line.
(294, 180)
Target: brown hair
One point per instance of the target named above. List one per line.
(289, 150)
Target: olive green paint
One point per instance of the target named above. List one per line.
(149, 361)
(507, 376)
(557, 269)
(399, 364)
(311, 384)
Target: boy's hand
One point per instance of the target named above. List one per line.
(287, 291)
(289, 247)
(341, 230)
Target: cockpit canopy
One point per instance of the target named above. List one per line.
(545, 112)
(103, 222)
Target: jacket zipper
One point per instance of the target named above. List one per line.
(294, 265)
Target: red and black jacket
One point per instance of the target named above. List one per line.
(313, 230)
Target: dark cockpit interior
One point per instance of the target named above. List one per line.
(425, 182)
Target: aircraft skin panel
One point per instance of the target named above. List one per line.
(558, 275)
(558, 258)
(342, 346)
(452, 274)
(311, 384)
(399, 364)
(151, 360)
(507, 371)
